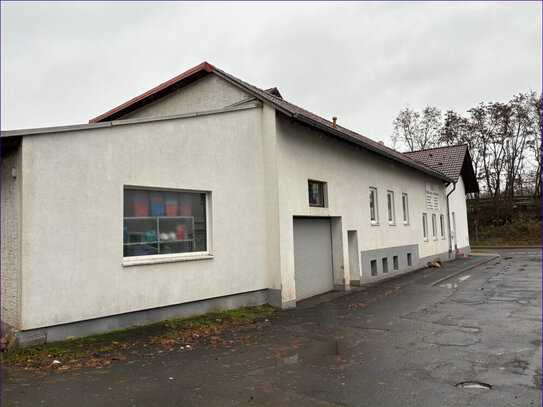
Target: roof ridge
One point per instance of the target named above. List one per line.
(436, 148)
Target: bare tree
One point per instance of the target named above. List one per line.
(416, 131)
(535, 111)
(499, 137)
(517, 131)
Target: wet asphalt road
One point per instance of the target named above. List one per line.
(400, 343)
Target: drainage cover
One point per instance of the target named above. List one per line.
(474, 385)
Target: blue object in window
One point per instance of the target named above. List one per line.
(157, 204)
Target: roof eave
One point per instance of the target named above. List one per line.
(337, 133)
(149, 96)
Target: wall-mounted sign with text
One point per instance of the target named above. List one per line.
(432, 197)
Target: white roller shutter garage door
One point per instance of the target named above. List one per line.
(312, 257)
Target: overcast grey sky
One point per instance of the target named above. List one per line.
(66, 62)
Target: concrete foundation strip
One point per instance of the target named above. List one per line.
(462, 271)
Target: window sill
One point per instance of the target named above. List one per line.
(391, 224)
(374, 223)
(425, 239)
(406, 223)
(128, 262)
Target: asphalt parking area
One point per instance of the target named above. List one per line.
(402, 342)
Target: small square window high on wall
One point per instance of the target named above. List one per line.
(316, 193)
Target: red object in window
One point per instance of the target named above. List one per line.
(186, 207)
(181, 232)
(171, 205)
(141, 203)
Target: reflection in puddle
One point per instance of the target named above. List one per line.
(322, 349)
(474, 386)
(291, 360)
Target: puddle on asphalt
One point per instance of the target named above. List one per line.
(321, 349)
(470, 329)
(291, 360)
(477, 386)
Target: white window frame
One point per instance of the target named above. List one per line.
(391, 210)
(442, 225)
(175, 257)
(375, 219)
(434, 226)
(425, 226)
(405, 209)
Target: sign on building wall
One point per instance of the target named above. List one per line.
(432, 197)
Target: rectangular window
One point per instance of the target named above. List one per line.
(385, 265)
(409, 262)
(390, 207)
(395, 262)
(316, 193)
(163, 222)
(405, 209)
(442, 224)
(374, 216)
(434, 226)
(425, 226)
(374, 267)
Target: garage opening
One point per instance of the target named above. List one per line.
(313, 272)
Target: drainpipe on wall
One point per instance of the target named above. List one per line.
(449, 216)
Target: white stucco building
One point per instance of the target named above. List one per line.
(226, 195)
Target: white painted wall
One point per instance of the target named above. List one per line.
(254, 163)
(10, 238)
(349, 173)
(209, 93)
(457, 202)
(73, 215)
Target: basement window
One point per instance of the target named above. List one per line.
(374, 267)
(385, 265)
(163, 223)
(316, 193)
(395, 262)
(409, 261)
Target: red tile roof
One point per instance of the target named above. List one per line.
(451, 161)
(447, 160)
(298, 113)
